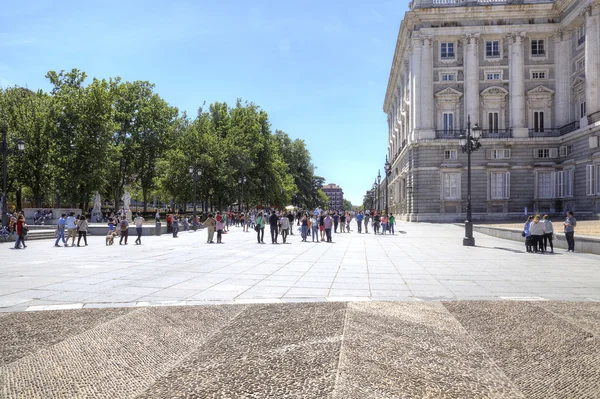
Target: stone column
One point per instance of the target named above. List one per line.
(592, 60)
(426, 97)
(517, 87)
(415, 88)
(471, 79)
(562, 73)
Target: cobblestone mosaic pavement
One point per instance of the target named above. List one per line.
(394, 349)
(421, 262)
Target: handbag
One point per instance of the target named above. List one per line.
(257, 228)
(522, 234)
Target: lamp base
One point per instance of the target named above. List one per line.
(469, 241)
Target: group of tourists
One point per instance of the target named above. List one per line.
(70, 227)
(539, 232)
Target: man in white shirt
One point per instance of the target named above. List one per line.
(139, 223)
(71, 229)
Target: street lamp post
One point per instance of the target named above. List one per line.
(388, 171)
(5, 152)
(242, 181)
(379, 190)
(374, 195)
(469, 144)
(195, 172)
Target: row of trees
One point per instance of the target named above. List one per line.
(113, 135)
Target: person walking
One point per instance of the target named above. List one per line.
(570, 224)
(314, 227)
(359, 221)
(71, 229)
(376, 221)
(124, 227)
(291, 218)
(367, 219)
(157, 216)
(304, 227)
(285, 227)
(548, 233)
(391, 222)
(210, 224)
(60, 230)
(175, 223)
(220, 226)
(260, 228)
(139, 224)
(342, 223)
(322, 226)
(536, 230)
(273, 223)
(527, 234)
(328, 223)
(383, 224)
(21, 230)
(336, 220)
(82, 229)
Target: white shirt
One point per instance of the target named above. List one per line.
(537, 229)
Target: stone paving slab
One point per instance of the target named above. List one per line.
(264, 354)
(544, 355)
(405, 266)
(415, 350)
(118, 359)
(454, 349)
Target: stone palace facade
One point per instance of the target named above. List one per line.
(527, 72)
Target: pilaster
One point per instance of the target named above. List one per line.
(592, 59)
(426, 97)
(471, 78)
(562, 73)
(415, 86)
(517, 88)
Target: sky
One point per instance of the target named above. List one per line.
(320, 68)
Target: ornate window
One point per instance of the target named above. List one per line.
(538, 48)
(499, 185)
(447, 108)
(492, 49)
(493, 108)
(450, 186)
(539, 104)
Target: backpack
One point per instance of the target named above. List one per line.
(123, 225)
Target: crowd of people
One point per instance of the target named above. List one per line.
(539, 232)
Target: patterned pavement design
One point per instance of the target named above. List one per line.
(450, 349)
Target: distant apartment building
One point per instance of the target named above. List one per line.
(335, 195)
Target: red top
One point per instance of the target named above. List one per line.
(20, 224)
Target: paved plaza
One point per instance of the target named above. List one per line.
(365, 317)
(421, 262)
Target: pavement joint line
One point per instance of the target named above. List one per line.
(483, 351)
(339, 362)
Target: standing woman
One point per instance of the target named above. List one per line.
(220, 225)
(383, 224)
(83, 229)
(304, 227)
(314, 227)
(20, 229)
(549, 232)
(322, 226)
(536, 229)
(260, 228)
(527, 234)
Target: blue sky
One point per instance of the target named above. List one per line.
(319, 68)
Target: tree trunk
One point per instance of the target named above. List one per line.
(19, 199)
(145, 196)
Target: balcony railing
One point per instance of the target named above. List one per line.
(496, 133)
(544, 133)
(571, 127)
(448, 134)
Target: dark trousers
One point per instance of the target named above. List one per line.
(260, 235)
(139, 235)
(328, 234)
(219, 234)
(570, 240)
(274, 234)
(284, 234)
(84, 235)
(548, 238)
(359, 224)
(124, 235)
(335, 226)
(538, 243)
(175, 229)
